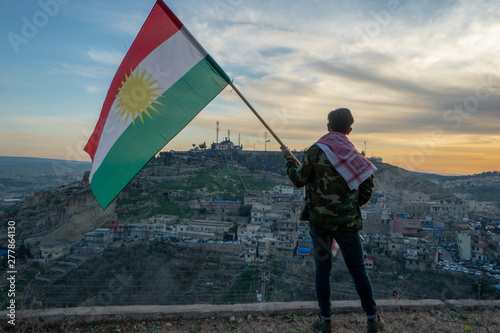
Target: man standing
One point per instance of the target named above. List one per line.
(338, 181)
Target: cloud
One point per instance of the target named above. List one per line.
(405, 68)
(94, 90)
(124, 17)
(106, 57)
(80, 70)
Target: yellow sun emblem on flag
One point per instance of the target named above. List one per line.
(136, 96)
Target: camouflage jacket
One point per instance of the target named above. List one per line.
(329, 203)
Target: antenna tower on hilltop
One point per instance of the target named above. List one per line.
(217, 132)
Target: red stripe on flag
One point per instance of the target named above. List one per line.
(160, 25)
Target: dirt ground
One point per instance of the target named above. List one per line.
(425, 320)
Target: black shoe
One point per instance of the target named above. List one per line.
(324, 326)
(375, 325)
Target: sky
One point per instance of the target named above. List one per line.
(420, 77)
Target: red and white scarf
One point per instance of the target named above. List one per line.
(347, 160)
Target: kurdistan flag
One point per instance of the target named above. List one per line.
(164, 81)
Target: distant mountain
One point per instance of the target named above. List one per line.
(17, 165)
(24, 176)
(441, 178)
(480, 187)
(390, 179)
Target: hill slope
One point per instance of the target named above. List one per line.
(166, 186)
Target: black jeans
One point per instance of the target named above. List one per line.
(352, 251)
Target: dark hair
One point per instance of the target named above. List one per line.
(340, 120)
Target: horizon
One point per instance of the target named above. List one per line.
(256, 151)
(417, 76)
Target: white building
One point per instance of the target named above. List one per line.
(464, 245)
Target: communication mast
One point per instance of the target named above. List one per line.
(217, 132)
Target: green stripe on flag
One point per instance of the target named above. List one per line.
(139, 142)
(216, 66)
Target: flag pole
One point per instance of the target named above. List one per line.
(260, 118)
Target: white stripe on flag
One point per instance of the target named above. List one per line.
(168, 62)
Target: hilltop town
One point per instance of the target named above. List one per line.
(237, 209)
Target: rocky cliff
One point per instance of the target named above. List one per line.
(65, 213)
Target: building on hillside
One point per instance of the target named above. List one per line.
(414, 197)
(227, 144)
(134, 230)
(119, 229)
(417, 210)
(456, 209)
(258, 249)
(478, 247)
(224, 207)
(160, 227)
(450, 225)
(269, 215)
(52, 251)
(257, 213)
(375, 159)
(431, 232)
(396, 244)
(304, 248)
(99, 238)
(464, 245)
(164, 219)
(303, 230)
(284, 189)
(271, 198)
(404, 226)
(149, 229)
(463, 224)
(201, 203)
(373, 223)
(252, 197)
(204, 229)
(248, 231)
(285, 245)
(287, 226)
(253, 231)
(419, 255)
